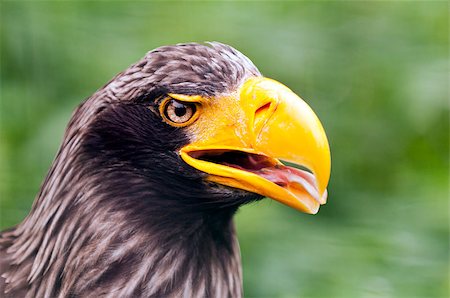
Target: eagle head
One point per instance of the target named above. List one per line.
(200, 122)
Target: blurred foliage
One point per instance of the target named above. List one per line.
(376, 73)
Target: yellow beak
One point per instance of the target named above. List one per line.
(240, 141)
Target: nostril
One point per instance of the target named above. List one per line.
(260, 111)
(261, 116)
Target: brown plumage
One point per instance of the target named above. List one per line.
(140, 198)
(119, 214)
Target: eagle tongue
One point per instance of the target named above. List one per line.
(286, 176)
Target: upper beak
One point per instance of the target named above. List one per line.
(250, 134)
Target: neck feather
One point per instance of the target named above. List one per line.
(89, 244)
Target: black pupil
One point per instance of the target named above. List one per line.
(180, 109)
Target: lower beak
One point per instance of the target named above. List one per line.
(267, 141)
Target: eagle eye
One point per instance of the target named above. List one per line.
(178, 113)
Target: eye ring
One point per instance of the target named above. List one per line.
(178, 113)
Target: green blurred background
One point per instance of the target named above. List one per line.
(376, 73)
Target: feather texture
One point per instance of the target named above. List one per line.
(119, 214)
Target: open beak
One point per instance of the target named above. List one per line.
(264, 139)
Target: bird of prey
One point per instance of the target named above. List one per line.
(139, 201)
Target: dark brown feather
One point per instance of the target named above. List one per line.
(119, 214)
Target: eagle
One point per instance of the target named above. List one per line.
(140, 198)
